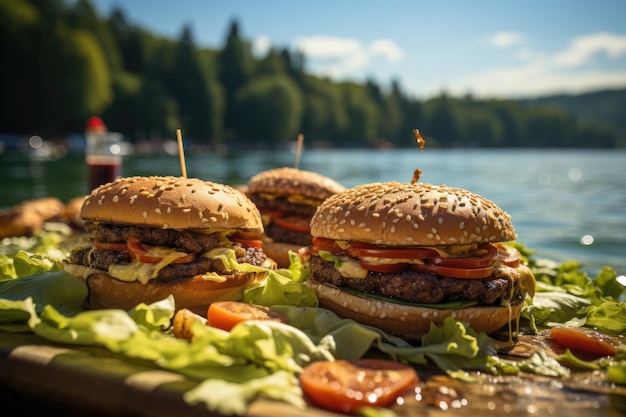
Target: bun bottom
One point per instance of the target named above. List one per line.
(409, 322)
(279, 252)
(195, 294)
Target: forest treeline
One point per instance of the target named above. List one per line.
(62, 63)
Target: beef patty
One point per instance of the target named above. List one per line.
(419, 287)
(185, 240)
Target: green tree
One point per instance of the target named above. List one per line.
(235, 68)
(324, 118)
(273, 106)
(362, 114)
(509, 114)
(442, 121)
(190, 88)
(83, 16)
(54, 76)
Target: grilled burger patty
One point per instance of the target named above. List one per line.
(280, 234)
(186, 241)
(282, 204)
(419, 287)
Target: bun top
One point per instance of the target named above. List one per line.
(290, 181)
(406, 214)
(172, 203)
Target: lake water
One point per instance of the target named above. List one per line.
(566, 205)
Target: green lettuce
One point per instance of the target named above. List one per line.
(26, 255)
(567, 296)
(283, 287)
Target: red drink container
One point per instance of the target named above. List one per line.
(103, 155)
(103, 170)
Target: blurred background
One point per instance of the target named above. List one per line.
(523, 102)
(350, 73)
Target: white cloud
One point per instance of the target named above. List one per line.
(583, 48)
(572, 70)
(340, 57)
(535, 79)
(261, 45)
(387, 49)
(506, 39)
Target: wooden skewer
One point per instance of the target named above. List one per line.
(181, 153)
(299, 150)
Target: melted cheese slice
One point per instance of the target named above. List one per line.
(144, 272)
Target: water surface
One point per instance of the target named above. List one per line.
(566, 205)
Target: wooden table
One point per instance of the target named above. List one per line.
(37, 377)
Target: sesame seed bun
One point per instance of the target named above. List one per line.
(195, 294)
(287, 181)
(407, 214)
(171, 202)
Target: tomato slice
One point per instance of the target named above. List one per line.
(448, 271)
(247, 243)
(508, 255)
(120, 247)
(344, 386)
(143, 253)
(584, 340)
(226, 314)
(484, 256)
(330, 245)
(293, 223)
(360, 249)
(382, 267)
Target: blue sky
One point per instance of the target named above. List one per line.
(486, 48)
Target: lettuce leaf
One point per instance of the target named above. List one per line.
(58, 289)
(283, 287)
(566, 295)
(26, 255)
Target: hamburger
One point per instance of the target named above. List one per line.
(400, 256)
(149, 237)
(287, 199)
